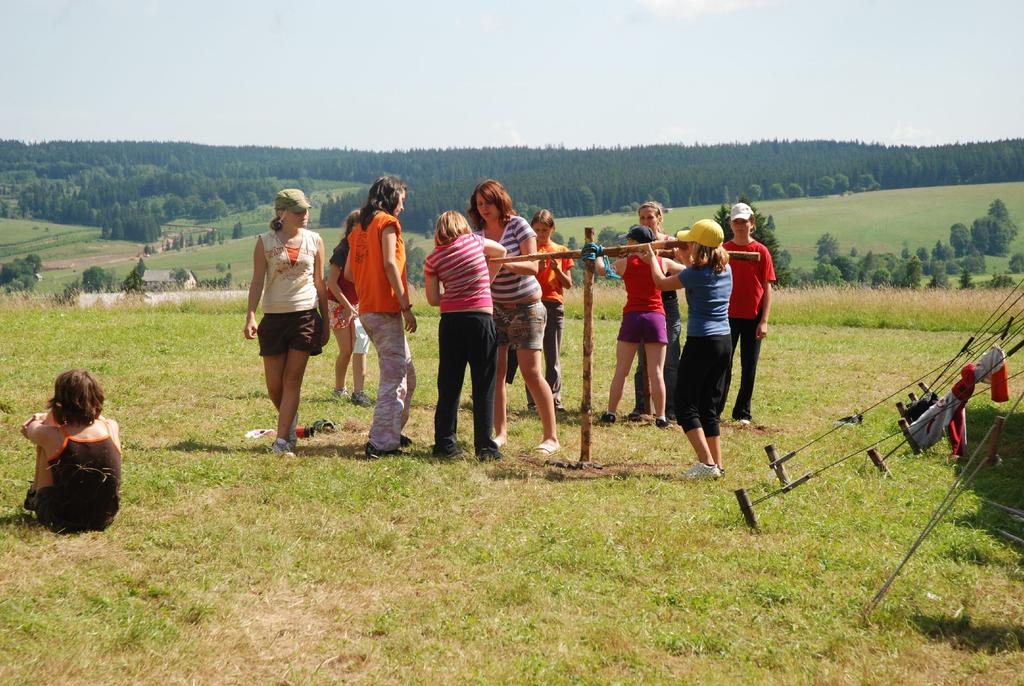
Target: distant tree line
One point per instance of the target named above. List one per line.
(129, 188)
(962, 258)
(132, 206)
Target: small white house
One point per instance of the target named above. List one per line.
(163, 280)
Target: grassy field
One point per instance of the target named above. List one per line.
(202, 260)
(58, 242)
(228, 565)
(881, 221)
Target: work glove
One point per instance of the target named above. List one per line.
(591, 251)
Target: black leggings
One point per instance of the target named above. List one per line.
(702, 369)
(465, 338)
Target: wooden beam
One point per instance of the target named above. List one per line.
(618, 251)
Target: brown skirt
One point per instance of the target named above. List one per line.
(278, 332)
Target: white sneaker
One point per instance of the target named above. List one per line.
(282, 447)
(702, 471)
(744, 422)
(341, 394)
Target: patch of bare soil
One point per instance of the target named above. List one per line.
(561, 467)
(91, 261)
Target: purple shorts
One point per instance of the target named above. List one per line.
(643, 327)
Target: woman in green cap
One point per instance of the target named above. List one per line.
(287, 273)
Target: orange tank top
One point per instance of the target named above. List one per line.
(367, 257)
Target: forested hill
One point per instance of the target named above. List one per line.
(129, 188)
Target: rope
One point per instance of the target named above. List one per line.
(962, 482)
(810, 475)
(835, 463)
(967, 348)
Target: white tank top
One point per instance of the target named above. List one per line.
(289, 287)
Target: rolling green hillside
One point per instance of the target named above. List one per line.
(881, 221)
(57, 243)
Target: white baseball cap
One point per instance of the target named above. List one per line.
(741, 210)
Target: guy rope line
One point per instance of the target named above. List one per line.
(1008, 333)
(959, 486)
(839, 461)
(996, 315)
(940, 380)
(810, 475)
(776, 463)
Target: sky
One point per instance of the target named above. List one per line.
(391, 74)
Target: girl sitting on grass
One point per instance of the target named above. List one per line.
(78, 457)
(643, 321)
(705, 358)
(466, 334)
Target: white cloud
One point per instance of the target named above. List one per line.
(905, 134)
(692, 9)
(505, 133)
(491, 23)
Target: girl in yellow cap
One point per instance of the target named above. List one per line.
(704, 361)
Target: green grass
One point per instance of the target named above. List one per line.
(20, 237)
(203, 260)
(227, 564)
(881, 221)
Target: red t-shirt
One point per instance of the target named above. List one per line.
(749, 280)
(550, 287)
(641, 293)
(348, 289)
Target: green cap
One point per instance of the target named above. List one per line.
(291, 199)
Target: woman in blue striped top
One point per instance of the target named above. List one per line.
(519, 315)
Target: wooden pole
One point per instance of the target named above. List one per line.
(586, 414)
(877, 460)
(746, 508)
(779, 467)
(617, 251)
(905, 428)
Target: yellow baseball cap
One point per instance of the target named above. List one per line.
(706, 232)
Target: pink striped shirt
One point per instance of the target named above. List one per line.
(462, 269)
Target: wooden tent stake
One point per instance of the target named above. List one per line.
(905, 428)
(901, 408)
(746, 508)
(774, 463)
(876, 458)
